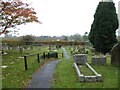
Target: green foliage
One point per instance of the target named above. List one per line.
(27, 39)
(15, 13)
(103, 29)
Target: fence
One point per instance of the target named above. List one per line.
(38, 57)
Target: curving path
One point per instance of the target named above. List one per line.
(43, 78)
(65, 53)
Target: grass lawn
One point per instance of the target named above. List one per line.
(15, 75)
(66, 77)
(85, 70)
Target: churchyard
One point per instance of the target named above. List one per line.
(69, 78)
(14, 74)
(76, 65)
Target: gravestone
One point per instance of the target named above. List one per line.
(83, 50)
(21, 50)
(50, 48)
(80, 58)
(98, 60)
(115, 55)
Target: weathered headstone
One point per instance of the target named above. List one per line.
(83, 50)
(50, 47)
(80, 58)
(115, 55)
(21, 50)
(98, 60)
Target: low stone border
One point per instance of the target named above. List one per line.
(97, 77)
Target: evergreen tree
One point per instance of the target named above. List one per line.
(103, 29)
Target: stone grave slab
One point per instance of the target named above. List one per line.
(89, 78)
(79, 60)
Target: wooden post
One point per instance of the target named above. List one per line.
(62, 55)
(56, 55)
(38, 58)
(44, 55)
(25, 60)
(48, 55)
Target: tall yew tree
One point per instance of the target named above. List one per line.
(103, 29)
(15, 13)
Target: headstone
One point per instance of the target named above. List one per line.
(28, 48)
(83, 50)
(21, 50)
(7, 48)
(115, 55)
(49, 47)
(3, 66)
(80, 58)
(17, 48)
(98, 60)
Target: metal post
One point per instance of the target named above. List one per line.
(38, 58)
(25, 60)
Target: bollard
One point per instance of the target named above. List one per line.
(25, 59)
(56, 55)
(44, 55)
(38, 58)
(48, 55)
(62, 55)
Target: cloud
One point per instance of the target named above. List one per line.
(62, 17)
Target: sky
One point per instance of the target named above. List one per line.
(62, 17)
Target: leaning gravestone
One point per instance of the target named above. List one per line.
(115, 55)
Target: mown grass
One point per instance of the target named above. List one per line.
(66, 77)
(85, 70)
(15, 75)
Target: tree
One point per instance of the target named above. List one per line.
(85, 37)
(102, 34)
(15, 13)
(75, 37)
(27, 39)
(65, 38)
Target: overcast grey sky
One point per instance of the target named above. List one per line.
(62, 17)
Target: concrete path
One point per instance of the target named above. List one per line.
(65, 53)
(44, 76)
